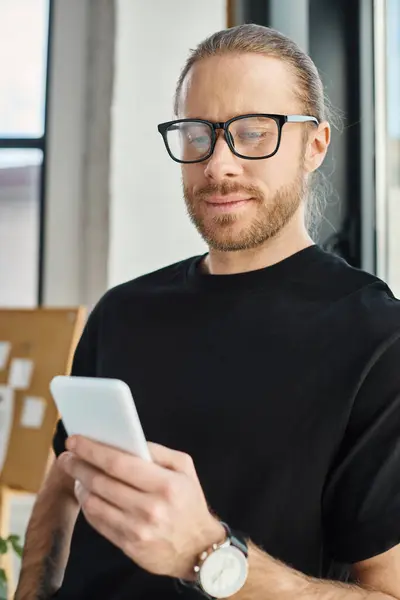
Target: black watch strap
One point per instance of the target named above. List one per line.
(237, 539)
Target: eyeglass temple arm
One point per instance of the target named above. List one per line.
(301, 119)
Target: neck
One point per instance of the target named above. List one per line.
(293, 238)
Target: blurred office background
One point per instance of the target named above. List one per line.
(89, 197)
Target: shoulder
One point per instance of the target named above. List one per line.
(359, 296)
(166, 280)
(358, 310)
(337, 274)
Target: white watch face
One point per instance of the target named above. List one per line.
(224, 572)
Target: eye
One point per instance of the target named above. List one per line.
(253, 134)
(199, 140)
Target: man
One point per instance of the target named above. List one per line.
(265, 374)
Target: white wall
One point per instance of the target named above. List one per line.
(66, 143)
(96, 168)
(19, 226)
(77, 196)
(148, 223)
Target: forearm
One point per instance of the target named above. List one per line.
(47, 543)
(271, 580)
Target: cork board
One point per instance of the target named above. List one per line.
(48, 338)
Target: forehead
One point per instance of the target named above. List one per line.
(221, 87)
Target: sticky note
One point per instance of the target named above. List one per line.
(33, 411)
(6, 420)
(5, 348)
(20, 374)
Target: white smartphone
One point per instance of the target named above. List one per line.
(102, 410)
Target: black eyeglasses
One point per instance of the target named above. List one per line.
(253, 137)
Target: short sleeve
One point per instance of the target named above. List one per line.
(84, 365)
(361, 501)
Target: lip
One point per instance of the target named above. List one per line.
(227, 205)
(230, 199)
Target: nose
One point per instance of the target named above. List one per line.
(222, 163)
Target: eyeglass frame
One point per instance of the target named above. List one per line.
(279, 119)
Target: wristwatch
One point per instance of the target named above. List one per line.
(222, 571)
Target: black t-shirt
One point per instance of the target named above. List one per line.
(283, 384)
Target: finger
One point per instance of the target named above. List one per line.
(133, 471)
(111, 490)
(108, 520)
(172, 459)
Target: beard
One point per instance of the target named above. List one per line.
(235, 232)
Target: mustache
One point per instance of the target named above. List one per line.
(227, 188)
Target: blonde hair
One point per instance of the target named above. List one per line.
(257, 39)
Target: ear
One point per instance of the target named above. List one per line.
(317, 146)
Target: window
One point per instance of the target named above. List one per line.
(23, 74)
(387, 68)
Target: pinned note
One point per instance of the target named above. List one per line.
(6, 420)
(33, 412)
(20, 375)
(5, 348)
